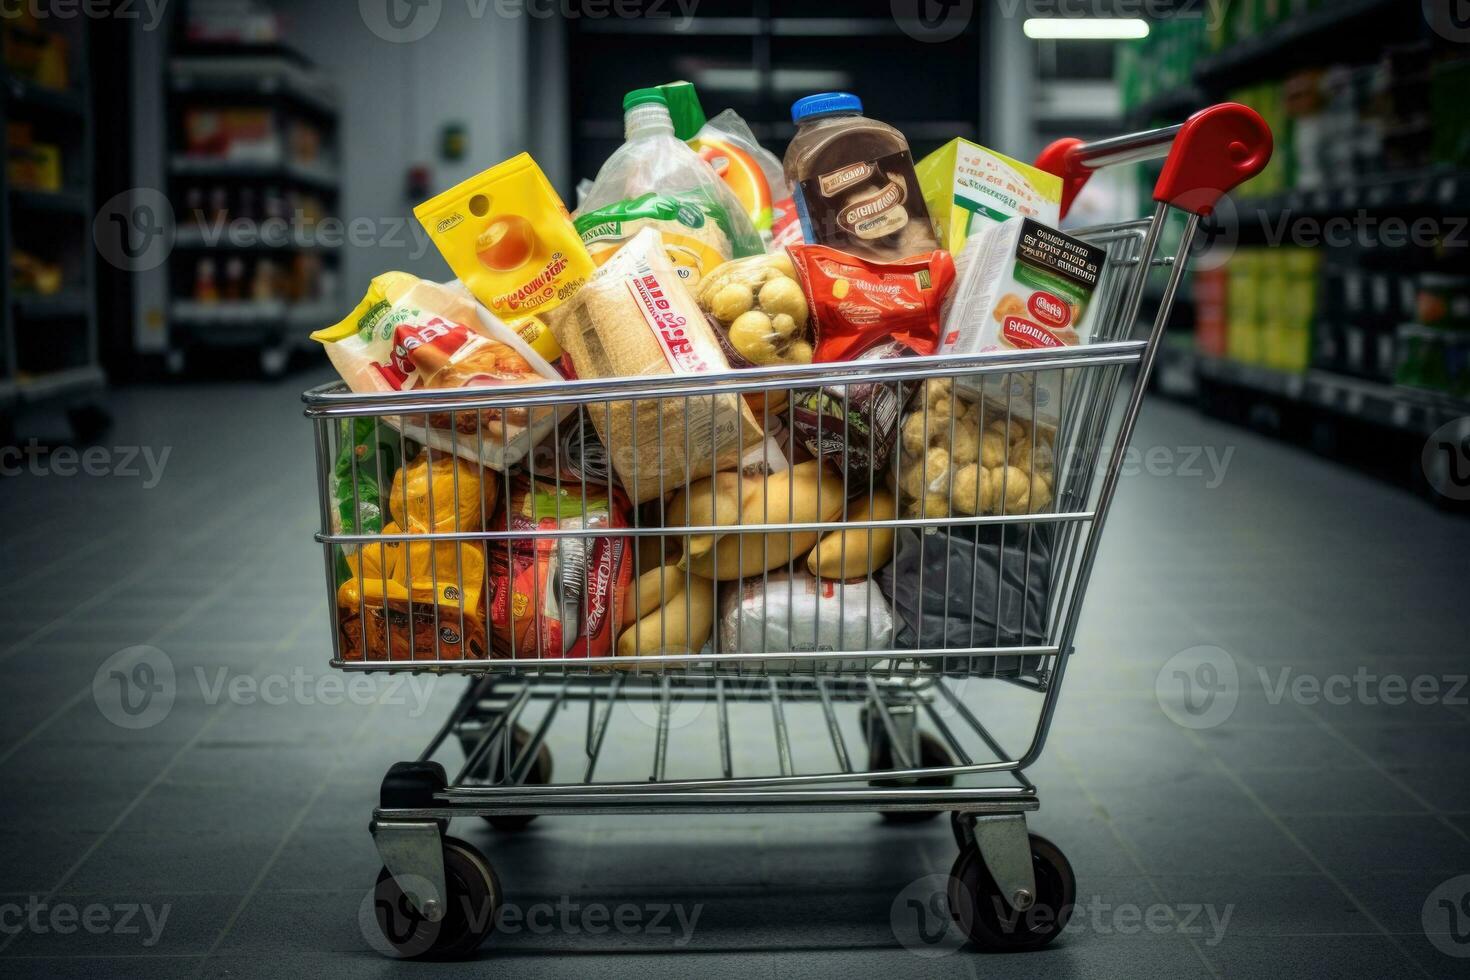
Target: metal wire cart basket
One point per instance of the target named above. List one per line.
(725, 602)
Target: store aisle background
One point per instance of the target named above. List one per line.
(1322, 828)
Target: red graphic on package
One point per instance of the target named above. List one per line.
(558, 597)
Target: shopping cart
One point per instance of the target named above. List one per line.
(916, 718)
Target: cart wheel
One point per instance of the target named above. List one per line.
(539, 774)
(987, 917)
(932, 754)
(473, 906)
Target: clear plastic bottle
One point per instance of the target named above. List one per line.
(853, 181)
(655, 179)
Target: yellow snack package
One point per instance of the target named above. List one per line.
(508, 237)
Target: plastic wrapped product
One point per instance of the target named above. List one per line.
(422, 600)
(796, 613)
(508, 237)
(973, 587)
(753, 173)
(654, 180)
(760, 309)
(559, 597)
(409, 334)
(635, 318)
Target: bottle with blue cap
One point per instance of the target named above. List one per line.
(853, 181)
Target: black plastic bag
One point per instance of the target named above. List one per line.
(966, 565)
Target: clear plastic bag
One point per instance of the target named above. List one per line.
(656, 180)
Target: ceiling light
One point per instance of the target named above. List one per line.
(1085, 28)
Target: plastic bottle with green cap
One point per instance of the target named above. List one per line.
(684, 108)
(656, 179)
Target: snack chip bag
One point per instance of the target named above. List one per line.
(508, 237)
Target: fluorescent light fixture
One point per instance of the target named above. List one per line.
(1085, 28)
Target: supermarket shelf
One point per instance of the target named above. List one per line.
(258, 75)
(191, 237)
(39, 388)
(1369, 401)
(322, 178)
(19, 91)
(747, 26)
(34, 307)
(253, 314)
(1414, 192)
(1281, 44)
(58, 202)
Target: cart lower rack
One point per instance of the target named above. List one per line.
(671, 649)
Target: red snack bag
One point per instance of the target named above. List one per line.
(857, 303)
(553, 598)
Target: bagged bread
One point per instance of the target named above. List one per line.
(635, 318)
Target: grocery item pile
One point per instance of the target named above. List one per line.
(695, 252)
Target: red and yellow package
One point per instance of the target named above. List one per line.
(558, 597)
(509, 238)
(857, 304)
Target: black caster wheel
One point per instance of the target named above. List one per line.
(932, 754)
(539, 774)
(988, 918)
(473, 906)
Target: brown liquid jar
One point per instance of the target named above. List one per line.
(853, 181)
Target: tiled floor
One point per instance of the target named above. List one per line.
(1309, 832)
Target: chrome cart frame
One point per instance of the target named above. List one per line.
(912, 707)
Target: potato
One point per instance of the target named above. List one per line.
(915, 439)
(1013, 430)
(755, 338)
(731, 301)
(993, 449)
(680, 626)
(965, 445)
(781, 262)
(790, 496)
(1013, 491)
(973, 491)
(931, 476)
(1025, 454)
(784, 327)
(800, 352)
(844, 554)
(783, 295)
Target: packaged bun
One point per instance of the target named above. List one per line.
(636, 318)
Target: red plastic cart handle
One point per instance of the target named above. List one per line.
(1209, 154)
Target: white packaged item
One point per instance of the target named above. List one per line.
(1021, 285)
(784, 612)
